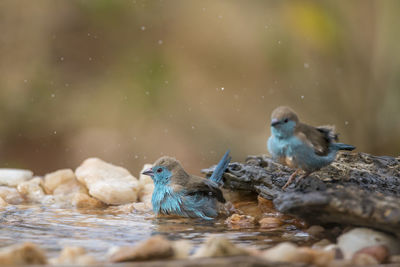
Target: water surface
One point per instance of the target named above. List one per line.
(98, 230)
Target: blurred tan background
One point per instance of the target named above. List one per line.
(128, 81)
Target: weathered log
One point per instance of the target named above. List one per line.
(357, 189)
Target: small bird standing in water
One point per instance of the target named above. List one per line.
(177, 192)
(301, 146)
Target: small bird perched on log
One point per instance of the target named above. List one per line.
(301, 146)
(179, 193)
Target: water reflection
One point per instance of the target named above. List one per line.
(97, 230)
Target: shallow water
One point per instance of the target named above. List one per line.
(97, 230)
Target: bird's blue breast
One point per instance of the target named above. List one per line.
(165, 200)
(301, 154)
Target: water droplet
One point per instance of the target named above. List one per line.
(90, 59)
(55, 132)
(220, 16)
(147, 93)
(62, 58)
(160, 42)
(222, 88)
(193, 127)
(346, 123)
(53, 95)
(302, 97)
(306, 65)
(143, 28)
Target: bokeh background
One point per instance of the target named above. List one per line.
(129, 81)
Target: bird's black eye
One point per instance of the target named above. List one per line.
(286, 120)
(159, 170)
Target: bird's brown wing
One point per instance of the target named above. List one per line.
(317, 138)
(199, 185)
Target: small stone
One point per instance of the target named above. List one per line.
(337, 251)
(83, 200)
(146, 194)
(321, 244)
(360, 238)
(73, 256)
(182, 249)
(270, 222)
(315, 230)
(109, 183)
(142, 207)
(64, 186)
(287, 252)
(32, 190)
(22, 254)
(218, 246)
(394, 259)
(13, 177)
(363, 259)
(3, 203)
(57, 178)
(156, 247)
(11, 195)
(237, 221)
(380, 253)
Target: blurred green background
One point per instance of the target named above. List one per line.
(129, 81)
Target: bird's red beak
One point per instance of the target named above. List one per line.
(149, 172)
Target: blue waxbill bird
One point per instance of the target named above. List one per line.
(179, 193)
(301, 146)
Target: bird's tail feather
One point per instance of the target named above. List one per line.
(220, 169)
(342, 146)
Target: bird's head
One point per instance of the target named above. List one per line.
(283, 122)
(163, 170)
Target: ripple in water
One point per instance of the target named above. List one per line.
(98, 230)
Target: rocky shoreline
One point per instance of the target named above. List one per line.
(350, 210)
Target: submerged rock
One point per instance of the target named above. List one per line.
(360, 238)
(22, 254)
(270, 222)
(109, 183)
(357, 189)
(218, 246)
(380, 253)
(238, 221)
(73, 256)
(156, 247)
(83, 200)
(13, 177)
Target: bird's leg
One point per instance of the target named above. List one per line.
(302, 177)
(291, 178)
